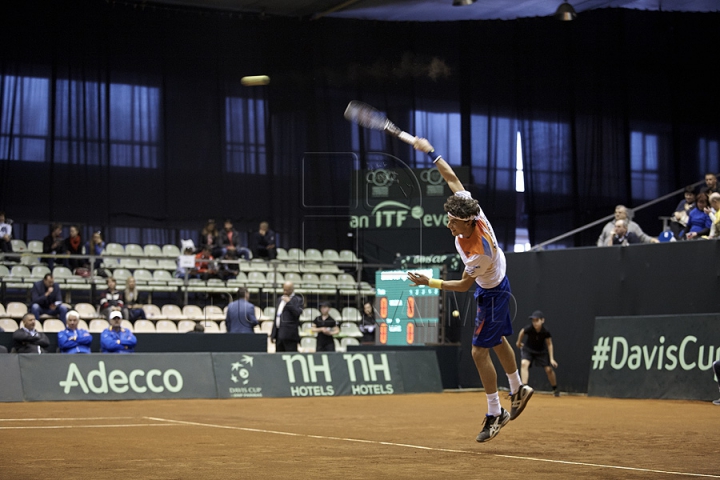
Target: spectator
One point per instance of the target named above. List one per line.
(199, 328)
(623, 213)
(699, 221)
(710, 184)
(74, 246)
(262, 242)
(187, 248)
(73, 339)
(209, 237)
(679, 219)
(53, 244)
(621, 236)
(227, 271)
(368, 324)
(715, 204)
(95, 246)
(5, 234)
(47, 299)
(117, 339)
(205, 267)
(538, 349)
(287, 320)
(229, 240)
(111, 299)
(28, 340)
(325, 326)
(240, 316)
(131, 298)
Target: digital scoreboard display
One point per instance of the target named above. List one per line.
(408, 315)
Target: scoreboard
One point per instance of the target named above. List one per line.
(408, 315)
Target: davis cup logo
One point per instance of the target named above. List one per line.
(240, 376)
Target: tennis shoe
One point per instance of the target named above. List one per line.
(492, 426)
(519, 400)
(556, 393)
(716, 402)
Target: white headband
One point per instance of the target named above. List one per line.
(450, 215)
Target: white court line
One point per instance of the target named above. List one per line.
(420, 447)
(59, 419)
(44, 427)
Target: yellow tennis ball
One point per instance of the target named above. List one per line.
(255, 81)
(455, 313)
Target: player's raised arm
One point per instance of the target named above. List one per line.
(445, 170)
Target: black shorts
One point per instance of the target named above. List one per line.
(541, 359)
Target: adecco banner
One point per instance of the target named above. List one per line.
(117, 377)
(324, 374)
(668, 356)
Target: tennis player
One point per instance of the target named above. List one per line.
(485, 266)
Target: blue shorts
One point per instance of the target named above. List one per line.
(492, 322)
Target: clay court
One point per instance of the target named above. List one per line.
(403, 436)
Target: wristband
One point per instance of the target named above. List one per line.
(434, 156)
(435, 283)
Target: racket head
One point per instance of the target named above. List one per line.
(366, 116)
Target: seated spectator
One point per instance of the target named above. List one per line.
(715, 204)
(95, 246)
(368, 324)
(623, 213)
(204, 265)
(187, 248)
(710, 184)
(53, 244)
(699, 221)
(28, 340)
(73, 339)
(209, 237)
(262, 242)
(5, 234)
(47, 299)
(621, 235)
(131, 297)
(227, 271)
(325, 326)
(240, 316)
(679, 219)
(117, 339)
(229, 240)
(74, 246)
(111, 299)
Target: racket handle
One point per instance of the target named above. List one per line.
(407, 138)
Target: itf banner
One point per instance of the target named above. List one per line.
(667, 356)
(117, 377)
(324, 374)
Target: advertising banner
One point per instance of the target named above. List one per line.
(10, 382)
(667, 356)
(117, 377)
(322, 374)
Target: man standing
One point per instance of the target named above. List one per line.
(240, 317)
(73, 339)
(537, 349)
(485, 268)
(28, 340)
(47, 299)
(117, 339)
(287, 320)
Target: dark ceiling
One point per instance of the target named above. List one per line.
(428, 10)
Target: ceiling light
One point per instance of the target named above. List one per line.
(460, 3)
(565, 12)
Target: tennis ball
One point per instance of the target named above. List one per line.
(455, 313)
(255, 81)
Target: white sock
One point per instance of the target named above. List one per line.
(515, 382)
(493, 400)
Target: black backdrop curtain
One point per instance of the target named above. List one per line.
(146, 123)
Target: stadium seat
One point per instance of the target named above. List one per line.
(151, 250)
(163, 277)
(348, 256)
(313, 255)
(330, 255)
(272, 277)
(2, 310)
(170, 251)
(16, 310)
(210, 326)
(167, 326)
(153, 312)
(8, 324)
(351, 314)
(53, 325)
(308, 344)
(257, 264)
(335, 314)
(295, 255)
(144, 326)
(213, 312)
(87, 311)
(4, 272)
(35, 246)
(266, 327)
(29, 260)
(193, 312)
(306, 329)
(185, 326)
(114, 249)
(148, 263)
(345, 341)
(172, 312)
(121, 275)
(330, 268)
(61, 274)
(18, 245)
(310, 280)
(256, 279)
(282, 254)
(98, 325)
(134, 250)
(142, 276)
(167, 264)
(38, 325)
(129, 263)
(328, 280)
(309, 314)
(82, 324)
(39, 271)
(19, 273)
(127, 325)
(349, 330)
(295, 278)
(269, 312)
(223, 327)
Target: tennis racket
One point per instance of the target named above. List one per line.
(369, 117)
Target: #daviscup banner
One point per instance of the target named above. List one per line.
(667, 356)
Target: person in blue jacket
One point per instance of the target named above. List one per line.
(73, 339)
(240, 316)
(117, 339)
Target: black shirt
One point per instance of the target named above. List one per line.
(535, 340)
(325, 343)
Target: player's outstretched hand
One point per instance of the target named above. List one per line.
(417, 279)
(423, 145)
